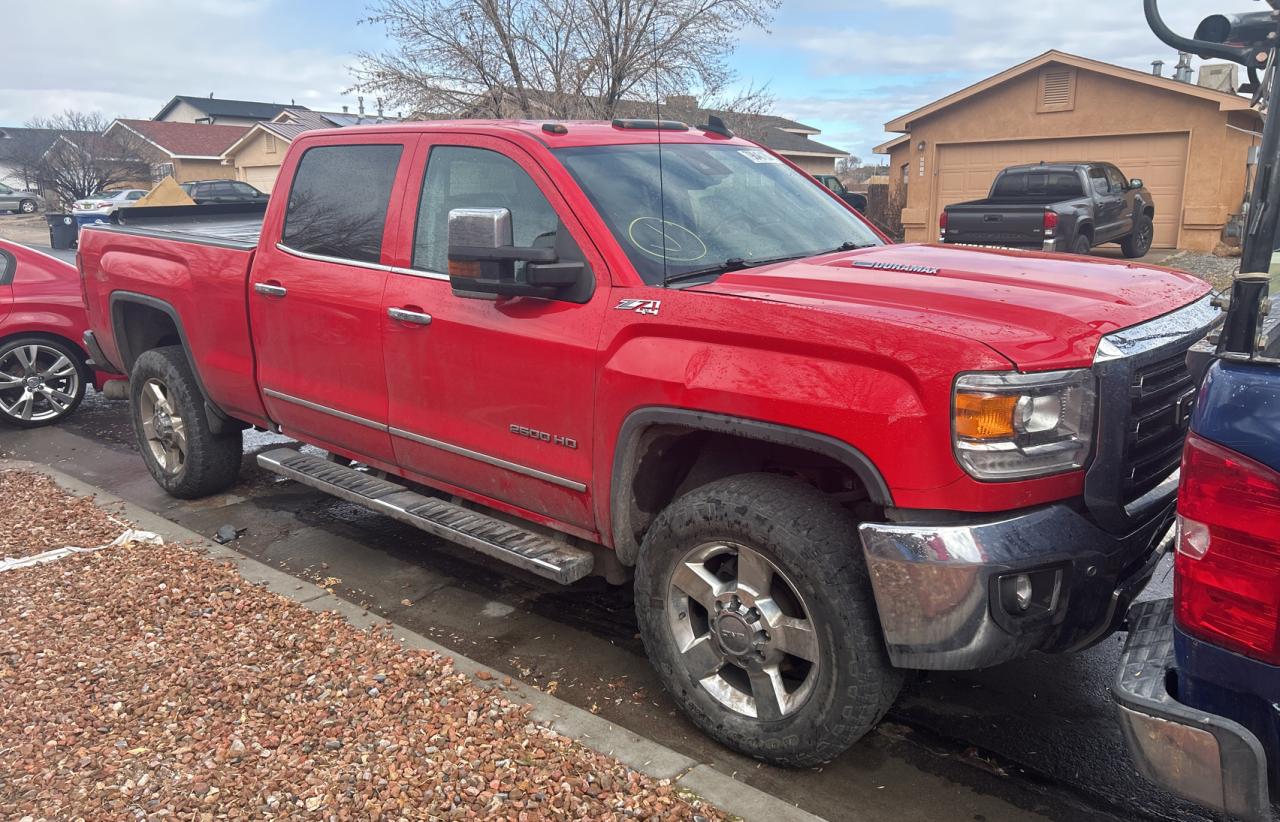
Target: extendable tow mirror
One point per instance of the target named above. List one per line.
(1246, 39)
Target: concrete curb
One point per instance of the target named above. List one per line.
(597, 733)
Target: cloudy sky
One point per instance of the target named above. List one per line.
(843, 67)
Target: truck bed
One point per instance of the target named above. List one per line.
(233, 225)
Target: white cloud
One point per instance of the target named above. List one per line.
(129, 58)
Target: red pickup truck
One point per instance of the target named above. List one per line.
(666, 355)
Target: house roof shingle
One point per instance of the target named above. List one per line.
(216, 107)
(26, 143)
(769, 130)
(186, 139)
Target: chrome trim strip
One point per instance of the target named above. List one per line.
(426, 275)
(321, 258)
(324, 409)
(1193, 319)
(572, 485)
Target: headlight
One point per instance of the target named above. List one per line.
(1013, 426)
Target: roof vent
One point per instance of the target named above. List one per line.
(1057, 90)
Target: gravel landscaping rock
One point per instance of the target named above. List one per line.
(1217, 271)
(145, 682)
(36, 515)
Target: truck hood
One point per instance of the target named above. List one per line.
(1041, 311)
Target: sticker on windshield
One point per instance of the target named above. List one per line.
(758, 155)
(663, 238)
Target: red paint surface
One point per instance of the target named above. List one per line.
(44, 298)
(867, 356)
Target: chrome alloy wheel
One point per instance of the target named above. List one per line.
(165, 431)
(37, 383)
(743, 631)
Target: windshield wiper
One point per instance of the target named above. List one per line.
(738, 263)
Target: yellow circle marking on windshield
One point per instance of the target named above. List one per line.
(659, 238)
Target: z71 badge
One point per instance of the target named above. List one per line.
(649, 307)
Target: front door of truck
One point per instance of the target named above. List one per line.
(493, 398)
(315, 295)
(1109, 205)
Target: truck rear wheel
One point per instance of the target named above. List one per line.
(756, 610)
(182, 453)
(1082, 246)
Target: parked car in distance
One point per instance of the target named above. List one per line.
(21, 202)
(105, 203)
(853, 198)
(825, 458)
(223, 191)
(43, 366)
(1056, 207)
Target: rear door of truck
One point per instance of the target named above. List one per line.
(492, 397)
(315, 293)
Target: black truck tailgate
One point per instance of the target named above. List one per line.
(992, 223)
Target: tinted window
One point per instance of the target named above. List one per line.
(338, 202)
(477, 178)
(1061, 184)
(244, 189)
(136, 195)
(7, 267)
(1099, 179)
(1116, 178)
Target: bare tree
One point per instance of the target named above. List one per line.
(84, 159)
(552, 58)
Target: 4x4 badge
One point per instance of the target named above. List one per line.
(639, 306)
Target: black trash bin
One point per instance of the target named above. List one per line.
(62, 230)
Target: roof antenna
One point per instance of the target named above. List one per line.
(662, 193)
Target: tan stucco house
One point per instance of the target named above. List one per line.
(1188, 143)
(185, 151)
(255, 157)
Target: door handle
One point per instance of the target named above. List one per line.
(406, 316)
(270, 290)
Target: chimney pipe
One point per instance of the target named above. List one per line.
(1182, 71)
(344, 110)
(1157, 68)
(360, 108)
(379, 108)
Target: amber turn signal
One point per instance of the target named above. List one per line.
(465, 268)
(985, 416)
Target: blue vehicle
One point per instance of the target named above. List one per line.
(1199, 683)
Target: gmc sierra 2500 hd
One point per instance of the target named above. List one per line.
(643, 348)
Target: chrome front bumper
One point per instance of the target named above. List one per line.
(942, 590)
(1206, 758)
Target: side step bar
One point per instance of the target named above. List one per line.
(493, 537)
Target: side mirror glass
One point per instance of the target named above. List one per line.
(482, 259)
(1135, 183)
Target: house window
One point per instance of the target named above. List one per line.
(271, 144)
(161, 170)
(1057, 89)
(906, 174)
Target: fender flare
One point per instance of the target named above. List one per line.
(625, 458)
(219, 420)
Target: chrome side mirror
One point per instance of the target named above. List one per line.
(1135, 183)
(482, 260)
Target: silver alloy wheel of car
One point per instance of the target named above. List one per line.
(37, 383)
(743, 630)
(166, 432)
(27, 206)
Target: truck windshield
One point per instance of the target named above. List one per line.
(712, 205)
(1061, 184)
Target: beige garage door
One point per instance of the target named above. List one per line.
(261, 177)
(965, 170)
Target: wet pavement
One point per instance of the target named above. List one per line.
(1034, 739)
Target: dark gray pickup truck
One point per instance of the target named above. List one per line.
(1056, 207)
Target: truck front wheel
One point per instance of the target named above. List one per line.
(756, 610)
(1138, 243)
(182, 453)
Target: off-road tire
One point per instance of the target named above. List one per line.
(1138, 242)
(814, 542)
(212, 460)
(1082, 246)
(65, 349)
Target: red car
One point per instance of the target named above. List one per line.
(43, 366)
